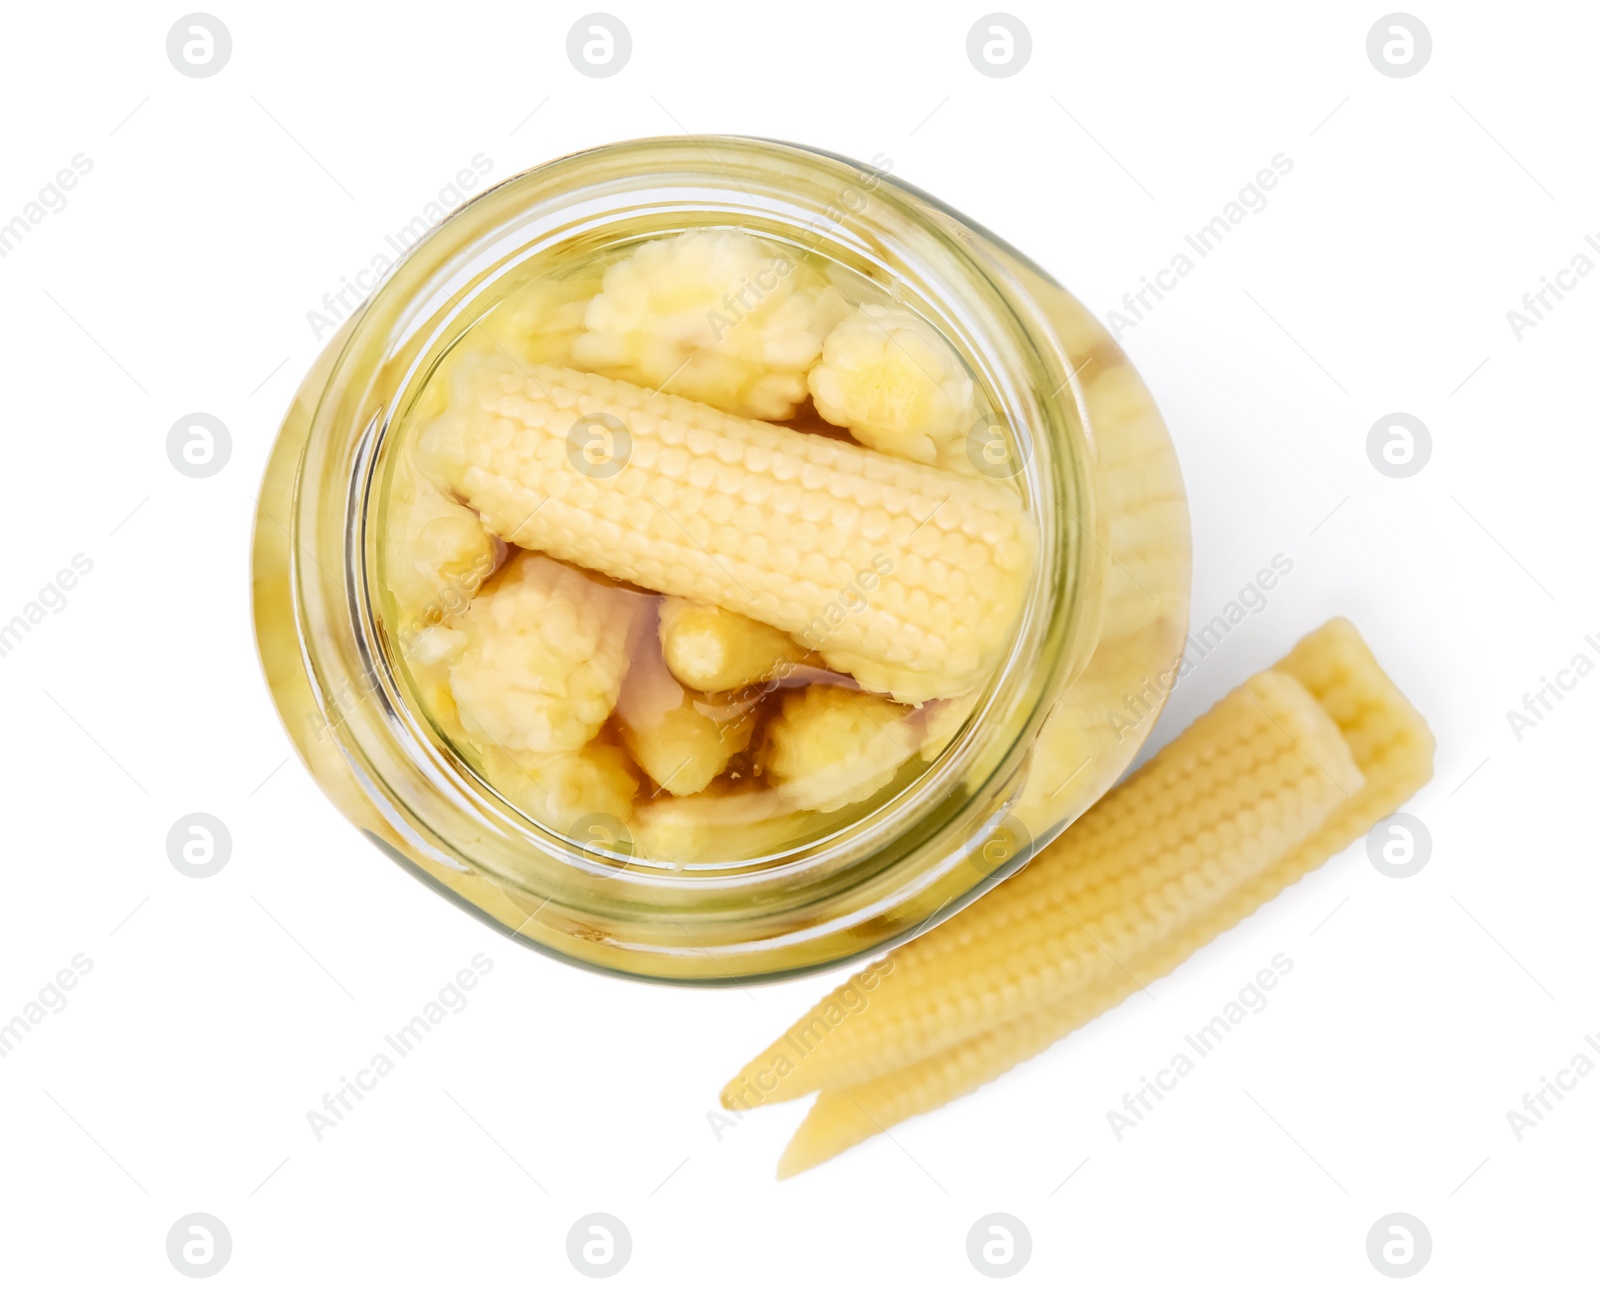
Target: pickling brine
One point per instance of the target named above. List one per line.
(660, 625)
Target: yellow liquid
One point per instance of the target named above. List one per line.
(601, 794)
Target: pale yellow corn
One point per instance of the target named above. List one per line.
(429, 654)
(1393, 748)
(744, 825)
(1250, 779)
(1139, 589)
(908, 577)
(712, 649)
(674, 736)
(437, 646)
(546, 651)
(560, 790)
(1081, 334)
(843, 1118)
(436, 554)
(897, 385)
(540, 322)
(1140, 493)
(432, 683)
(1092, 731)
(714, 314)
(829, 747)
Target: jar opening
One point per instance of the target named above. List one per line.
(928, 840)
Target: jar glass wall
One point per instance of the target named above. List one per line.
(1060, 716)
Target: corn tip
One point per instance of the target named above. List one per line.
(834, 1123)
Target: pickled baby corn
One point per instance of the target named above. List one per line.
(909, 578)
(843, 1118)
(829, 747)
(1248, 781)
(744, 826)
(1393, 748)
(559, 790)
(540, 323)
(1147, 519)
(897, 385)
(544, 658)
(437, 554)
(671, 734)
(713, 314)
(711, 649)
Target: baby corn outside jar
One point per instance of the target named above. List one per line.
(715, 559)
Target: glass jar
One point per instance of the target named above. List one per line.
(1097, 649)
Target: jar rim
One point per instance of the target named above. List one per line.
(917, 857)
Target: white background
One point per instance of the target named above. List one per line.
(219, 1011)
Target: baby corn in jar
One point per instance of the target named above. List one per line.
(715, 559)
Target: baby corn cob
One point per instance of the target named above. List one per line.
(544, 658)
(908, 577)
(670, 736)
(1142, 597)
(539, 322)
(897, 385)
(843, 1118)
(1392, 746)
(1080, 736)
(1249, 780)
(711, 649)
(830, 747)
(714, 314)
(559, 790)
(436, 554)
(1142, 497)
(743, 826)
